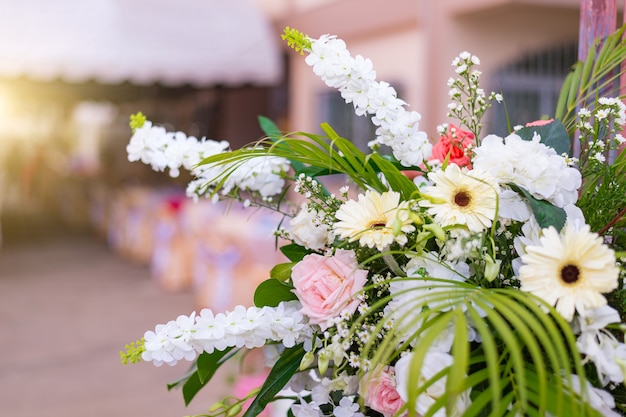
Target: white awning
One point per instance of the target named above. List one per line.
(173, 42)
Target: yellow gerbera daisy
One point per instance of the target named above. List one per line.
(375, 220)
(461, 197)
(569, 270)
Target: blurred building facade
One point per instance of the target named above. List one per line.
(525, 46)
(51, 127)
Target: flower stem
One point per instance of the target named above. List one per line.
(613, 221)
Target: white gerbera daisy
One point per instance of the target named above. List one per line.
(569, 270)
(376, 220)
(467, 198)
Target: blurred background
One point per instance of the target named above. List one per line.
(75, 215)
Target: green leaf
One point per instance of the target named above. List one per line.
(209, 363)
(272, 292)
(191, 387)
(269, 128)
(281, 373)
(200, 373)
(553, 134)
(294, 252)
(282, 272)
(545, 213)
(181, 381)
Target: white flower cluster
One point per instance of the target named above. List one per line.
(468, 100)
(601, 128)
(160, 149)
(531, 165)
(355, 78)
(251, 327)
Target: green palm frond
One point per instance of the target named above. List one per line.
(599, 72)
(523, 361)
(317, 155)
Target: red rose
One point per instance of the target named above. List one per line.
(454, 142)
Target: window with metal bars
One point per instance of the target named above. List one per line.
(530, 87)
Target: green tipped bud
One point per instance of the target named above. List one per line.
(436, 230)
(322, 362)
(416, 218)
(432, 199)
(307, 360)
(216, 406)
(396, 226)
(492, 268)
(234, 410)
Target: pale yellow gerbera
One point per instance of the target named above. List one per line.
(461, 198)
(376, 220)
(569, 270)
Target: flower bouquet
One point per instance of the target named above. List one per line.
(479, 276)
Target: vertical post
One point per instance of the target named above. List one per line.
(598, 19)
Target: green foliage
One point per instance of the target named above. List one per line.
(294, 252)
(545, 213)
(201, 373)
(282, 272)
(137, 121)
(588, 79)
(133, 352)
(322, 155)
(272, 292)
(281, 373)
(552, 134)
(524, 343)
(297, 40)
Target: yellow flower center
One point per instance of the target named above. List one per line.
(375, 224)
(462, 198)
(570, 274)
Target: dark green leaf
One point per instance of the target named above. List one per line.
(282, 272)
(272, 292)
(280, 374)
(191, 387)
(269, 128)
(209, 363)
(294, 252)
(181, 381)
(545, 213)
(200, 373)
(553, 134)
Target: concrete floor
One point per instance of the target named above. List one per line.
(67, 307)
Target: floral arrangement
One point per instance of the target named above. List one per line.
(477, 276)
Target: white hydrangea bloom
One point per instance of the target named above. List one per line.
(307, 229)
(531, 165)
(600, 346)
(599, 399)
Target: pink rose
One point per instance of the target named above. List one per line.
(327, 285)
(454, 142)
(380, 392)
(539, 123)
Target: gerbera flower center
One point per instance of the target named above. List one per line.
(462, 198)
(570, 274)
(376, 224)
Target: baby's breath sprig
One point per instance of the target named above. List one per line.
(468, 101)
(297, 40)
(133, 352)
